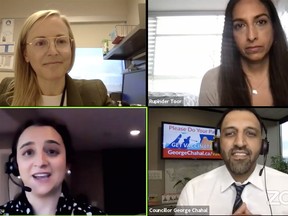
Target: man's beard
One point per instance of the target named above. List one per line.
(238, 167)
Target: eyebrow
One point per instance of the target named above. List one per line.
(46, 142)
(58, 35)
(52, 142)
(26, 144)
(247, 128)
(256, 17)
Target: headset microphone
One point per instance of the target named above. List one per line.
(264, 164)
(25, 188)
(11, 167)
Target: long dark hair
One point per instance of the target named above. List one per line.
(233, 89)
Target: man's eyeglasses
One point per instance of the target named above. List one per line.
(43, 44)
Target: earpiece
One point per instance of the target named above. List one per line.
(265, 146)
(216, 144)
(11, 166)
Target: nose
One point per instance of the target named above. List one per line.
(52, 50)
(41, 160)
(252, 33)
(240, 140)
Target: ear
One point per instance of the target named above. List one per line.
(26, 56)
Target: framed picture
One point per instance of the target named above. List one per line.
(7, 31)
(6, 62)
(6, 56)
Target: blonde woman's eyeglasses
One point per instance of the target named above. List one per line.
(43, 44)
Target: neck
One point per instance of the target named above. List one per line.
(52, 88)
(44, 205)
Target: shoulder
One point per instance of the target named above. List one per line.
(209, 88)
(203, 181)
(5, 83)
(201, 185)
(91, 92)
(4, 92)
(70, 206)
(276, 173)
(85, 209)
(212, 74)
(15, 207)
(207, 177)
(79, 208)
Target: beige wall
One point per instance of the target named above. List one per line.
(189, 116)
(133, 15)
(22, 9)
(91, 20)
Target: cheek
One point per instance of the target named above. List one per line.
(238, 38)
(67, 56)
(34, 59)
(256, 148)
(270, 38)
(60, 165)
(24, 168)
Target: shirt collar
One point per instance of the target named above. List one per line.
(254, 179)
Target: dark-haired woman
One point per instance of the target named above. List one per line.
(41, 156)
(254, 59)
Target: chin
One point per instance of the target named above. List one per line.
(255, 58)
(54, 76)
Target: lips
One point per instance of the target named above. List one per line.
(239, 154)
(253, 49)
(42, 175)
(51, 63)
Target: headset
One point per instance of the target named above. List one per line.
(11, 167)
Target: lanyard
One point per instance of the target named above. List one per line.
(63, 95)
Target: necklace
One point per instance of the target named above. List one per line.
(254, 91)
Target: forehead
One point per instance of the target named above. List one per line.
(249, 8)
(49, 27)
(39, 134)
(240, 118)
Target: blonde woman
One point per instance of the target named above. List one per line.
(44, 56)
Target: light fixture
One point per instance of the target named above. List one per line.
(135, 132)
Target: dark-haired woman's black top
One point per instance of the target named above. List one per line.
(66, 206)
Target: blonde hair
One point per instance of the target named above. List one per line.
(24, 89)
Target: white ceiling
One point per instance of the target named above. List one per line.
(275, 114)
(186, 5)
(91, 129)
(198, 5)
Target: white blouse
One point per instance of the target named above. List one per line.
(53, 100)
(214, 189)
